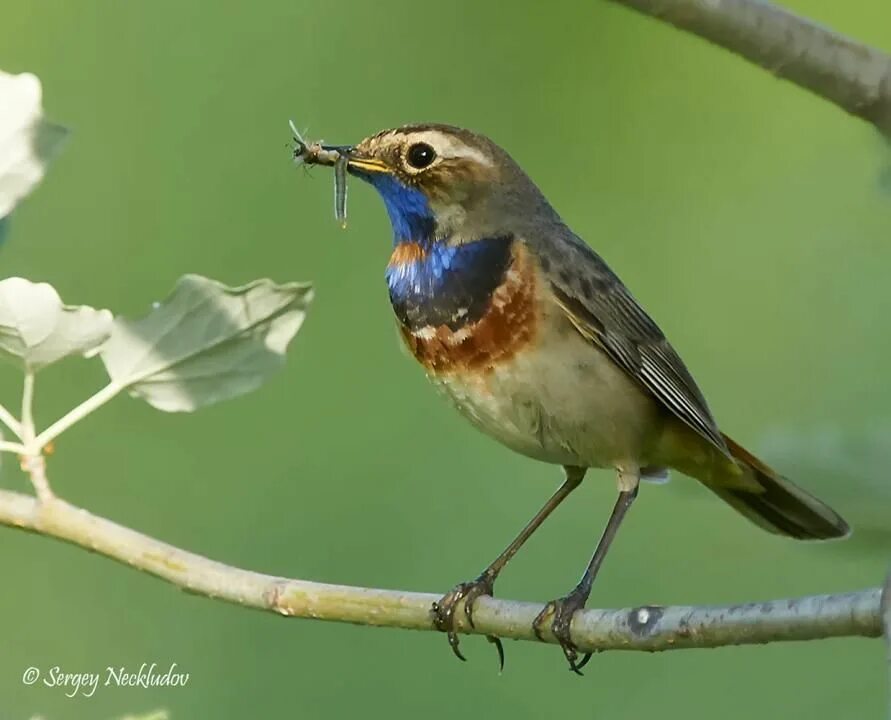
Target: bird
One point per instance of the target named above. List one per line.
(539, 344)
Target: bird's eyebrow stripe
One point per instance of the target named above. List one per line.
(448, 146)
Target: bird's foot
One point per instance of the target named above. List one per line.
(444, 611)
(562, 611)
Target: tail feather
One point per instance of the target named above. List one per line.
(776, 504)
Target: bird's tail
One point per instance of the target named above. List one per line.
(774, 503)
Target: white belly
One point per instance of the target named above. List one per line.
(568, 405)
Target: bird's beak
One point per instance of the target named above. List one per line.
(357, 160)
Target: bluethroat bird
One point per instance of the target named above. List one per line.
(538, 343)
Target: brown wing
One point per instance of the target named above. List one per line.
(604, 312)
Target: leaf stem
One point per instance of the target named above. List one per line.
(27, 428)
(95, 401)
(12, 447)
(8, 419)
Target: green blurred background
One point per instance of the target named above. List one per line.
(750, 218)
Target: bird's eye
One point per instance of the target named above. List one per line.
(420, 155)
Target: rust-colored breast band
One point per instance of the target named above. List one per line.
(506, 328)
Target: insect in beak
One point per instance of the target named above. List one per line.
(336, 156)
(342, 158)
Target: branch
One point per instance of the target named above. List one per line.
(641, 628)
(886, 623)
(854, 76)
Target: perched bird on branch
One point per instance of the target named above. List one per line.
(538, 343)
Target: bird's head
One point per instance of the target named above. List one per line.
(442, 183)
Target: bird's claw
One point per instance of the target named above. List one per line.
(562, 611)
(444, 612)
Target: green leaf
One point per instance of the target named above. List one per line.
(27, 140)
(36, 329)
(206, 342)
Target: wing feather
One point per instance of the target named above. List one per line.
(604, 311)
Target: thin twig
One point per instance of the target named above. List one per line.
(35, 467)
(854, 76)
(33, 462)
(641, 628)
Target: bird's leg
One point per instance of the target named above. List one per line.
(444, 610)
(563, 609)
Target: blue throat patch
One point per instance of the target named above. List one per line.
(408, 208)
(431, 282)
(449, 285)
